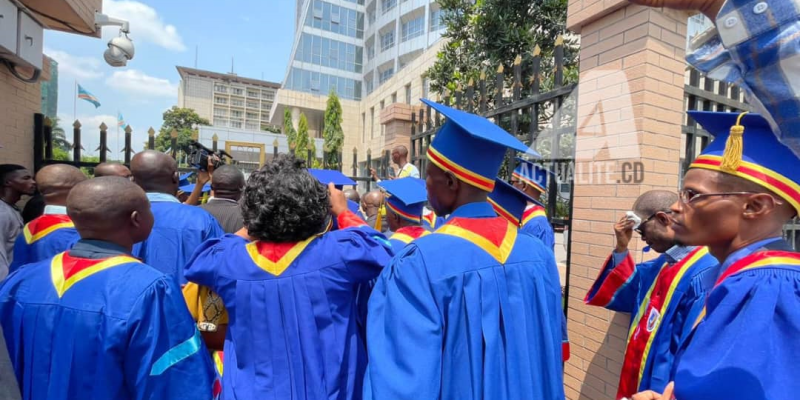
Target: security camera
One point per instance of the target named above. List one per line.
(120, 49)
(119, 52)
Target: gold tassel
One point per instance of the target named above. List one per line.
(379, 219)
(734, 146)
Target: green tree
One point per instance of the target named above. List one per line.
(484, 34)
(288, 128)
(303, 143)
(182, 120)
(332, 132)
(61, 154)
(59, 137)
(270, 128)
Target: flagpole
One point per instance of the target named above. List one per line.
(75, 103)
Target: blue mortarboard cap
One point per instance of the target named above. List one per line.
(405, 197)
(184, 179)
(509, 202)
(532, 174)
(190, 187)
(326, 176)
(471, 146)
(745, 146)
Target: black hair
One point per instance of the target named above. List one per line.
(7, 169)
(227, 180)
(282, 202)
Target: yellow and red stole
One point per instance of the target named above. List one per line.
(45, 225)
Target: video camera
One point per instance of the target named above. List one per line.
(198, 156)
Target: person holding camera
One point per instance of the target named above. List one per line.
(179, 228)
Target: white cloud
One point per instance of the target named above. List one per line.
(138, 83)
(83, 68)
(145, 24)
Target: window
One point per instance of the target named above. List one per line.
(329, 53)
(236, 114)
(252, 126)
(252, 93)
(333, 18)
(394, 97)
(387, 5)
(381, 104)
(236, 124)
(237, 103)
(370, 52)
(252, 104)
(237, 91)
(387, 40)
(437, 22)
(221, 123)
(220, 100)
(413, 28)
(220, 89)
(219, 112)
(426, 86)
(385, 75)
(251, 115)
(372, 122)
(316, 82)
(408, 94)
(370, 85)
(363, 127)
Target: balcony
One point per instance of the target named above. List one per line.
(237, 103)
(253, 94)
(220, 100)
(237, 92)
(220, 89)
(252, 104)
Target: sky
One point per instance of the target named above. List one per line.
(257, 34)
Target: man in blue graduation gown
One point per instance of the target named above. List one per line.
(736, 197)
(53, 232)
(179, 229)
(663, 295)
(290, 292)
(94, 323)
(470, 311)
(511, 204)
(531, 179)
(405, 198)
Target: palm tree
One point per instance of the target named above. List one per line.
(60, 137)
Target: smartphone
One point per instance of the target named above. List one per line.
(633, 217)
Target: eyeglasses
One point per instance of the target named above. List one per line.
(640, 228)
(688, 195)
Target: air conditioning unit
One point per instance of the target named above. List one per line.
(21, 36)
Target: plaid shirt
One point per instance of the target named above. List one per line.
(755, 46)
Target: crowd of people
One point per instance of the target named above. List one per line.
(285, 285)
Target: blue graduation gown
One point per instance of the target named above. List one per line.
(534, 222)
(658, 318)
(747, 345)
(178, 231)
(43, 238)
(120, 333)
(292, 332)
(406, 235)
(450, 319)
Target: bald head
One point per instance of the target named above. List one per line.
(110, 208)
(352, 195)
(56, 181)
(227, 182)
(653, 201)
(155, 171)
(372, 202)
(400, 155)
(111, 169)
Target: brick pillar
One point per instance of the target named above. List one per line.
(630, 112)
(397, 121)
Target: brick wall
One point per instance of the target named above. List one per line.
(18, 102)
(629, 111)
